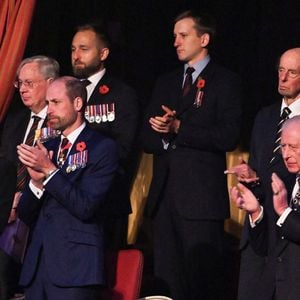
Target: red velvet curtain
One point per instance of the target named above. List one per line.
(15, 19)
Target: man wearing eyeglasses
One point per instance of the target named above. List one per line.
(264, 160)
(34, 75)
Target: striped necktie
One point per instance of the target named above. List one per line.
(284, 116)
(295, 201)
(63, 152)
(21, 169)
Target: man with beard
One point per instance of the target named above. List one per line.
(112, 109)
(64, 199)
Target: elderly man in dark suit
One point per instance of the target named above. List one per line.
(34, 75)
(281, 273)
(263, 161)
(193, 120)
(112, 109)
(64, 201)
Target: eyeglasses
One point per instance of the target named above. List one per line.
(27, 83)
(288, 73)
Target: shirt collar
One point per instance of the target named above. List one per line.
(294, 107)
(74, 134)
(42, 114)
(198, 66)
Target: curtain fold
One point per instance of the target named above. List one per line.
(15, 20)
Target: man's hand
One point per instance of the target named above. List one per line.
(243, 172)
(245, 199)
(280, 201)
(166, 123)
(37, 160)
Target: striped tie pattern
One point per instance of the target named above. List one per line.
(295, 201)
(188, 81)
(64, 148)
(21, 169)
(283, 117)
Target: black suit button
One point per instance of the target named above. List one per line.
(173, 147)
(279, 259)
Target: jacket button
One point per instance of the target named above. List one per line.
(173, 146)
(279, 259)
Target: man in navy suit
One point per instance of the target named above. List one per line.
(112, 109)
(64, 201)
(262, 163)
(281, 273)
(189, 132)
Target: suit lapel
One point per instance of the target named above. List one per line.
(96, 96)
(188, 100)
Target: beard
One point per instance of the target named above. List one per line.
(85, 71)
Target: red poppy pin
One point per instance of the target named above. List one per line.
(103, 89)
(200, 94)
(80, 146)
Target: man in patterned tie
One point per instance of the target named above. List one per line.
(280, 276)
(33, 76)
(257, 172)
(64, 205)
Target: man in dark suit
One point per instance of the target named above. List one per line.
(189, 131)
(281, 273)
(34, 75)
(262, 163)
(64, 199)
(112, 110)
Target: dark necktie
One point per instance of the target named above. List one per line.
(21, 170)
(284, 116)
(64, 148)
(295, 201)
(188, 81)
(85, 82)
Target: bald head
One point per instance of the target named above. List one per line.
(289, 75)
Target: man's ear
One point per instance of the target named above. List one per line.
(205, 38)
(104, 54)
(78, 103)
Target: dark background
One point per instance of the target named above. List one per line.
(251, 35)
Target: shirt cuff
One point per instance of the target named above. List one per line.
(283, 217)
(50, 175)
(36, 191)
(253, 223)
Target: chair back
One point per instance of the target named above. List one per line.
(124, 270)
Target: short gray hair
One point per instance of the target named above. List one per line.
(48, 66)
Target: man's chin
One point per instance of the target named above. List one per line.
(79, 73)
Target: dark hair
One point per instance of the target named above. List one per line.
(99, 30)
(75, 88)
(204, 23)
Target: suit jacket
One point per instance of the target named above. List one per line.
(265, 239)
(261, 151)
(65, 222)
(123, 130)
(13, 132)
(282, 269)
(7, 190)
(14, 129)
(191, 171)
